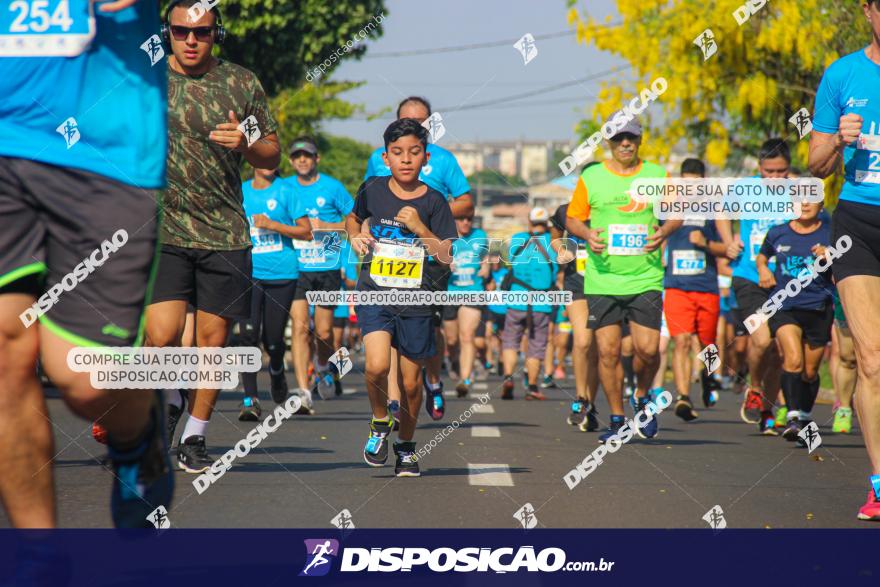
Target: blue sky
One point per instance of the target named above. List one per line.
(459, 79)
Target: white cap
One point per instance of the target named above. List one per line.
(539, 216)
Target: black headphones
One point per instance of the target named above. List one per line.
(165, 29)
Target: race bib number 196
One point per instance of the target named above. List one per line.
(627, 239)
(397, 265)
(46, 28)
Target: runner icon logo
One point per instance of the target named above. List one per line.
(159, 518)
(319, 556)
(341, 359)
(526, 516)
(811, 437)
(527, 48)
(801, 121)
(69, 129)
(435, 127)
(154, 49)
(715, 518)
(710, 358)
(706, 42)
(251, 131)
(343, 520)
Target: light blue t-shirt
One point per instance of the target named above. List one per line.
(530, 266)
(351, 268)
(851, 85)
(441, 173)
(103, 109)
(328, 201)
(752, 234)
(468, 253)
(273, 255)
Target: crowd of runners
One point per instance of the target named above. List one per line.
(208, 258)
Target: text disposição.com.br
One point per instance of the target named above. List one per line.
(464, 560)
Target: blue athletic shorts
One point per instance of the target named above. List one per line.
(412, 336)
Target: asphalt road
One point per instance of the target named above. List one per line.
(508, 454)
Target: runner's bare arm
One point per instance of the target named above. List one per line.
(577, 227)
(766, 276)
(725, 230)
(462, 206)
(264, 153)
(302, 230)
(826, 150)
(117, 6)
(359, 241)
(661, 233)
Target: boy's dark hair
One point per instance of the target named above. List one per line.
(693, 167)
(418, 99)
(405, 127)
(773, 148)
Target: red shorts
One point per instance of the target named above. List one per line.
(692, 312)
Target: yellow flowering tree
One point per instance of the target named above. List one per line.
(723, 107)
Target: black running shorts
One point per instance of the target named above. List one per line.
(645, 309)
(815, 324)
(82, 244)
(861, 223)
(318, 281)
(216, 282)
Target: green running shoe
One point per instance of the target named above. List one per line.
(842, 421)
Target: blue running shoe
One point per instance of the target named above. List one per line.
(435, 405)
(613, 428)
(376, 448)
(144, 479)
(652, 427)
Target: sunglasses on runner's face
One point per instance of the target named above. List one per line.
(202, 33)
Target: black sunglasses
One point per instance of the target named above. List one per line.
(202, 33)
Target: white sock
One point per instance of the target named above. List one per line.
(434, 386)
(194, 427)
(802, 415)
(792, 415)
(172, 398)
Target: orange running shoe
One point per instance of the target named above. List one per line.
(753, 403)
(99, 433)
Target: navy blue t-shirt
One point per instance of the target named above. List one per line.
(398, 259)
(688, 267)
(793, 255)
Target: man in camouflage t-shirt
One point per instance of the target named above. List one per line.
(217, 116)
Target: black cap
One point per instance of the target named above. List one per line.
(304, 145)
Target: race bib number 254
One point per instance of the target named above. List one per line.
(46, 28)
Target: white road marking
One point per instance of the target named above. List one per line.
(495, 475)
(481, 386)
(483, 409)
(486, 431)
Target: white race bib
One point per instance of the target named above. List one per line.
(756, 239)
(627, 239)
(265, 241)
(46, 28)
(465, 276)
(397, 265)
(868, 170)
(309, 252)
(688, 262)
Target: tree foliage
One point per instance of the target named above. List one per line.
(763, 72)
